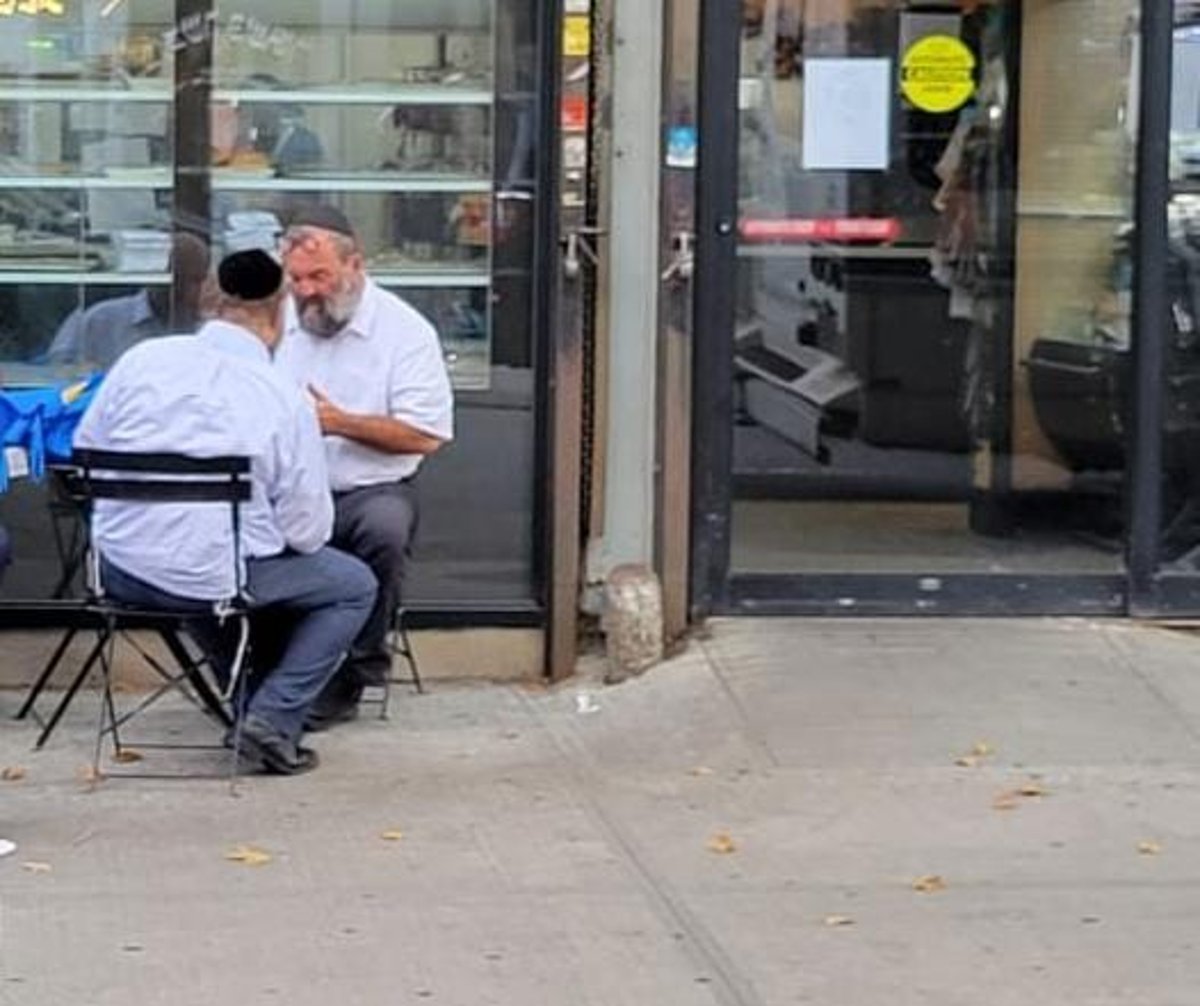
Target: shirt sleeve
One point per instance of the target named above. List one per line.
(302, 502)
(419, 386)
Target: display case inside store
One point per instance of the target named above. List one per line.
(386, 109)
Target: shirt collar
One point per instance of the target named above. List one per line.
(360, 324)
(234, 340)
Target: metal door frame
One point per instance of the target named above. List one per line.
(1143, 590)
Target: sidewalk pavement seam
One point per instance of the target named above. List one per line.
(1127, 661)
(717, 668)
(729, 985)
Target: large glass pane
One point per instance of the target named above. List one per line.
(133, 134)
(1181, 384)
(933, 297)
(86, 250)
(391, 110)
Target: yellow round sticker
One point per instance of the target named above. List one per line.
(937, 73)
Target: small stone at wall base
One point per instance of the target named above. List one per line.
(632, 622)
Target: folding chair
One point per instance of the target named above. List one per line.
(401, 646)
(151, 479)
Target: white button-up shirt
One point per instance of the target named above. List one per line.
(207, 395)
(387, 361)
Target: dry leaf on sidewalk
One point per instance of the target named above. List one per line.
(33, 866)
(1033, 789)
(929, 884)
(722, 844)
(248, 855)
(127, 756)
(979, 751)
(1149, 848)
(1006, 801)
(13, 773)
(395, 835)
(701, 770)
(837, 921)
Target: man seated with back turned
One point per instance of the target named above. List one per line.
(375, 368)
(212, 394)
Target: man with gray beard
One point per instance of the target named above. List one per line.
(375, 369)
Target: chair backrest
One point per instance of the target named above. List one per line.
(153, 478)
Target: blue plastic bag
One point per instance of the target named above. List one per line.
(42, 420)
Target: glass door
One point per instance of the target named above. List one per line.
(929, 302)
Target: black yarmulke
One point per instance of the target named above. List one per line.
(250, 275)
(323, 217)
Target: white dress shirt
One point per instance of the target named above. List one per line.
(387, 361)
(211, 394)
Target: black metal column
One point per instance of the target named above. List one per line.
(715, 307)
(192, 199)
(1150, 309)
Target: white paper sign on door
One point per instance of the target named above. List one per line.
(847, 114)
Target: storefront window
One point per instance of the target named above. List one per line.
(135, 136)
(1180, 550)
(933, 334)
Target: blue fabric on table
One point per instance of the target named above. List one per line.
(42, 420)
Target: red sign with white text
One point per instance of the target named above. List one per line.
(822, 229)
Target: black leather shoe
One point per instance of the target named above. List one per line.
(338, 703)
(262, 742)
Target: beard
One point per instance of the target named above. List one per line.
(326, 315)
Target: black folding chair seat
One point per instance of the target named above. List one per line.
(151, 479)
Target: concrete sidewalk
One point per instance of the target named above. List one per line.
(742, 826)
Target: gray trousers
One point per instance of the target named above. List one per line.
(378, 524)
(316, 604)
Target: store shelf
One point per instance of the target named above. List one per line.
(1112, 210)
(422, 94)
(409, 94)
(159, 180)
(13, 277)
(441, 278)
(117, 95)
(232, 183)
(348, 183)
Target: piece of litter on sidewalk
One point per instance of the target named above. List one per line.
(248, 855)
(1032, 790)
(7, 848)
(929, 884)
(701, 770)
(585, 703)
(722, 844)
(1006, 801)
(838, 921)
(1149, 848)
(394, 835)
(31, 866)
(12, 773)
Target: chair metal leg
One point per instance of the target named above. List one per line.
(400, 647)
(405, 650)
(72, 690)
(108, 708)
(43, 679)
(204, 691)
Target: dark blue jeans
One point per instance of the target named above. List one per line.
(322, 600)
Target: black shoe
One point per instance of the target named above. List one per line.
(338, 703)
(262, 742)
